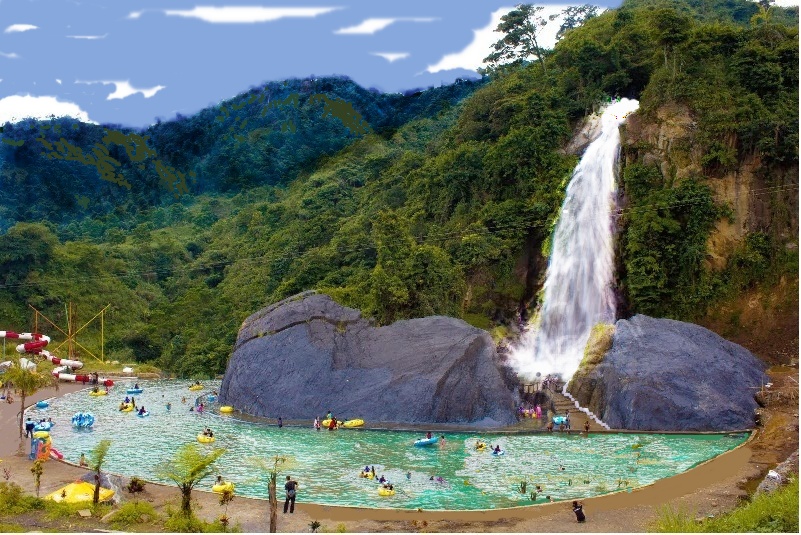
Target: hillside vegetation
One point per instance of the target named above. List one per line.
(437, 202)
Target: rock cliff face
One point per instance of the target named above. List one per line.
(668, 375)
(669, 142)
(307, 354)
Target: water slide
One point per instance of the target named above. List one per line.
(35, 346)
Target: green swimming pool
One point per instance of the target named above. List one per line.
(327, 463)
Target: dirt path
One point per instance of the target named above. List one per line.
(711, 488)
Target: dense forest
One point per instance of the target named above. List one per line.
(438, 201)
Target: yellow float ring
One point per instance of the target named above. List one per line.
(223, 487)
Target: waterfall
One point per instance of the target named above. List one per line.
(578, 283)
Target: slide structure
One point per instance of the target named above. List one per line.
(35, 346)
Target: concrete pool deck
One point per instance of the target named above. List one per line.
(710, 488)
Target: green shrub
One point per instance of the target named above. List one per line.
(177, 522)
(135, 485)
(11, 528)
(134, 513)
(181, 523)
(13, 501)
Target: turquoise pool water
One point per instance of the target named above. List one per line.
(326, 463)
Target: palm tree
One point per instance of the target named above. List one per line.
(27, 381)
(273, 467)
(96, 458)
(187, 468)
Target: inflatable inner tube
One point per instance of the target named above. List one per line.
(128, 407)
(226, 408)
(42, 404)
(41, 434)
(358, 422)
(143, 414)
(222, 487)
(386, 492)
(196, 387)
(134, 391)
(204, 439)
(99, 393)
(426, 442)
(498, 453)
(366, 475)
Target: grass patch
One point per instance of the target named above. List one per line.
(477, 320)
(671, 520)
(11, 528)
(775, 512)
(57, 510)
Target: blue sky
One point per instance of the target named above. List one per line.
(131, 61)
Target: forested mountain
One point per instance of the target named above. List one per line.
(436, 202)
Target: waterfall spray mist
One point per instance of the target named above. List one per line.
(578, 284)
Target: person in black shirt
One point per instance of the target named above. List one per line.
(291, 489)
(578, 508)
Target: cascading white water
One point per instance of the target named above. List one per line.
(578, 292)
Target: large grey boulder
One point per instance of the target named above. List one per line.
(305, 355)
(668, 375)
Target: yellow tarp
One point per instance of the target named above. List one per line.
(80, 491)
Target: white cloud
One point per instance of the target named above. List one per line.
(472, 56)
(10, 55)
(124, 89)
(20, 28)
(242, 14)
(391, 56)
(371, 26)
(18, 107)
(368, 26)
(58, 81)
(90, 37)
(479, 48)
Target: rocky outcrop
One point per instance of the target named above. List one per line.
(666, 375)
(780, 475)
(305, 355)
(758, 199)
